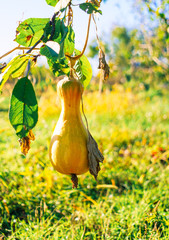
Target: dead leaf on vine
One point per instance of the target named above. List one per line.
(103, 65)
(74, 180)
(94, 156)
(96, 2)
(25, 142)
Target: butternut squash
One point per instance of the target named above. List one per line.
(68, 148)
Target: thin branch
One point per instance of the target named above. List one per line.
(159, 62)
(96, 30)
(32, 48)
(52, 22)
(148, 47)
(16, 48)
(3, 65)
(70, 14)
(87, 36)
(4, 55)
(27, 48)
(28, 68)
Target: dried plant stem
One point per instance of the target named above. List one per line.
(96, 30)
(74, 180)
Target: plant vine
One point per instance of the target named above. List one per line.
(53, 38)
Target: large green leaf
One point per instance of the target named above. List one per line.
(30, 31)
(15, 68)
(23, 113)
(52, 2)
(89, 8)
(83, 69)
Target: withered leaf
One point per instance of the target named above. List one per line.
(74, 180)
(103, 65)
(94, 156)
(96, 2)
(25, 142)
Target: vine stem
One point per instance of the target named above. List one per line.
(33, 47)
(73, 59)
(96, 30)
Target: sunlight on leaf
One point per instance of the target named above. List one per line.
(30, 31)
(23, 113)
(83, 69)
(52, 2)
(15, 68)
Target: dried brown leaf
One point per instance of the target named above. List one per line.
(103, 65)
(94, 156)
(25, 142)
(74, 180)
(96, 2)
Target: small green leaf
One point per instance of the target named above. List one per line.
(58, 64)
(52, 2)
(23, 113)
(48, 52)
(69, 42)
(83, 69)
(15, 68)
(59, 67)
(89, 8)
(31, 30)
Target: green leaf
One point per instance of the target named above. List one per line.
(14, 68)
(83, 69)
(60, 31)
(23, 113)
(49, 53)
(52, 2)
(3, 180)
(59, 67)
(30, 31)
(57, 62)
(89, 8)
(69, 42)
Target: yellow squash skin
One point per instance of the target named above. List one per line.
(68, 147)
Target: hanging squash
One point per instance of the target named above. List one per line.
(73, 151)
(68, 147)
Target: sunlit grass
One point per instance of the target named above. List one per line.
(130, 199)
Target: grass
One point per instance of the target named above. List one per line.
(130, 199)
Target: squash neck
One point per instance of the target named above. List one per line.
(71, 109)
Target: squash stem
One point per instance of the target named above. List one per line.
(74, 180)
